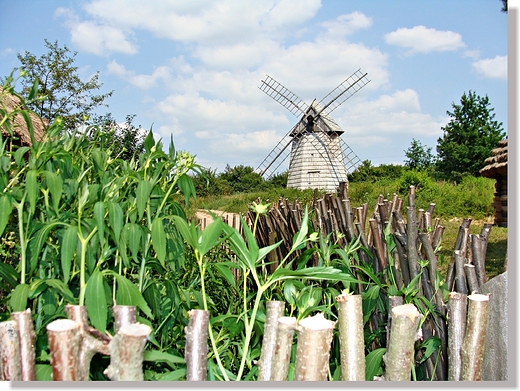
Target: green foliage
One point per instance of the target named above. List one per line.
(420, 179)
(243, 179)
(62, 93)
(468, 138)
(418, 156)
(369, 173)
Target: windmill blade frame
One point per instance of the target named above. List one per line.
(283, 96)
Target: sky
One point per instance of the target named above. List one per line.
(191, 69)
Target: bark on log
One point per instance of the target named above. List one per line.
(10, 360)
(351, 337)
(92, 340)
(64, 345)
(282, 354)
(27, 341)
(123, 316)
(475, 337)
(411, 233)
(393, 301)
(399, 355)
(275, 310)
(471, 278)
(457, 310)
(460, 276)
(126, 353)
(479, 258)
(196, 352)
(313, 348)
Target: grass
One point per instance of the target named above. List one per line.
(472, 198)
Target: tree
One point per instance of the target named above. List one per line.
(504, 6)
(419, 157)
(66, 95)
(243, 179)
(124, 140)
(468, 138)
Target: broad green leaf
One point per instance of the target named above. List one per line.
(9, 274)
(185, 184)
(6, 207)
(43, 372)
(185, 232)
(28, 122)
(128, 294)
(210, 236)
(68, 247)
(19, 298)
(224, 269)
(133, 236)
(38, 242)
(157, 356)
(302, 234)
(149, 141)
(262, 253)
(99, 158)
(374, 363)
(95, 301)
(20, 154)
(142, 194)
(34, 90)
(36, 287)
(159, 240)
(55, 185)
(99, 215)
(178, 374)
(32, 186)
(49, 303)
(115, 218)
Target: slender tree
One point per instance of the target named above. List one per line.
(468, 138)
(63, 92)
(419, 156)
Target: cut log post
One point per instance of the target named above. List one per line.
(27, 340)
(479, 258)
(457, 310)
(64, 345)
(92, 340)
(411, 233)
(10, 351)
(393, 301)
(123, 316)
(471, 278)
(282, 354)
(275, 310)
(196, 352)
(351, 337)
(313, 348)
(126, 353)
(460, 276)
(398, 358)
(472, 350)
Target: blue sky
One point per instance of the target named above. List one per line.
(191, 68)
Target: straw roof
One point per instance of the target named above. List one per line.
(496, 164)
(9, 103)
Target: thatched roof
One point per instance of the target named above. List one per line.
(496, 164)
(9, 103)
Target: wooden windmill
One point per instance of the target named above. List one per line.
(319, 158)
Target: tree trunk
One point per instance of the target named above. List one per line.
(27, 341)
(457, 310)
(399, 355)
(275, 310)
(64, 345)
(313, 348)
(196, 352)
(351, 337)
(126, 353)
(10, 351)
(475, 337)
(282, 353)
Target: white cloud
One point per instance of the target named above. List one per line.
(96, 38)
(493, 68)
(347, 24)
(142, 81)
(420, 39)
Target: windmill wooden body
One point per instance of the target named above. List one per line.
(319, 158)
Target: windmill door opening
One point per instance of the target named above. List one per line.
(313, 177)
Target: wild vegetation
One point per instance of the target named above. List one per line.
(83, 223)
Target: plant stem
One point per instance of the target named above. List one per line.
(23, 243)
(83, 256)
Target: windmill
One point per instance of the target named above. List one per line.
(319, 158)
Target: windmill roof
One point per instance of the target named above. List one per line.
(313, 109)
(10, 103)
